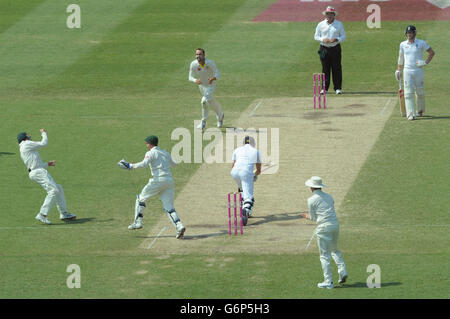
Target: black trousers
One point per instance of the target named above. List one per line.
(331, 64)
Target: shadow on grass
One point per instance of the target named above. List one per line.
(189, 237)
(431, 117)
(85, 220)
(364, 285)
(375, 93)
(7, 153)
(274, 218)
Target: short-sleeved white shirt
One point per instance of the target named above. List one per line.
(246, 157)
(334, 30)
(412, 52)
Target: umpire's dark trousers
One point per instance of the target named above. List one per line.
(331, 63)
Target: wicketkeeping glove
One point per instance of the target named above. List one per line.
(124, 164)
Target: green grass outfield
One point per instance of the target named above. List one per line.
(101, 89)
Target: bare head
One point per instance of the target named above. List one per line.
(200, 55)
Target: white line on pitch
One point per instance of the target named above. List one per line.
(256, 107)
(157, 236)
(385, 106)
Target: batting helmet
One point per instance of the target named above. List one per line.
(411, 28)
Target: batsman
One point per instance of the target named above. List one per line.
(245, 158)
(161, 184)
(410, 59)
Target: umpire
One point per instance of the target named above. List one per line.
(330, 33)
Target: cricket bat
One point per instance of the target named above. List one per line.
(401, 98)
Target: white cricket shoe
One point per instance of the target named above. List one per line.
(136, 225)
(343, 278)
(180, 230)
(43, 219)
(67, 216)
(325, 284)
(220, 121)
(202, 125)
(322, 92)
(411, 117)
(338, 91)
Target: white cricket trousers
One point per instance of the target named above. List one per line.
(165, 188)
(162, 186)
(244, 180)
(55, 193)
(327, 238)
(413, 80)
(209, 100)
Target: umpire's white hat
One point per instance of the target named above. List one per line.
(330, 9)
(315, 182)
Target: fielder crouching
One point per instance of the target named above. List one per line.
(161, 184)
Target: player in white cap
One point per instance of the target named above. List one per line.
(321, 210)
(38, 173)
(204, 73)
(410, 59)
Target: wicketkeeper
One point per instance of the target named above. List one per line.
(161, 184)
(245, 158)
(410, 56)
(321, 210)
(38, 173)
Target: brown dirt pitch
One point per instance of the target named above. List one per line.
(332, 143)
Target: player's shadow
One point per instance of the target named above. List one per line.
(364, 285)
(7, 153)
(189, 237)
(431, 117)
(280, 217)
(374, 93)
(86, 220)
(205, 236)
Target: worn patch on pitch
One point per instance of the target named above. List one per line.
(332, 143)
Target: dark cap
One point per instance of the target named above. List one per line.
(152, 139)
(411, 28)
(249, 140)
(22, 136)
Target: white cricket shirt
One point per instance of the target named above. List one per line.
(159, 162)
(321, 208)
(409, 53)
(209, 70)
(330, 31)
(245, 158)
(29, 153)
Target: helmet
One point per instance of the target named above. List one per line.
(410, 28)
